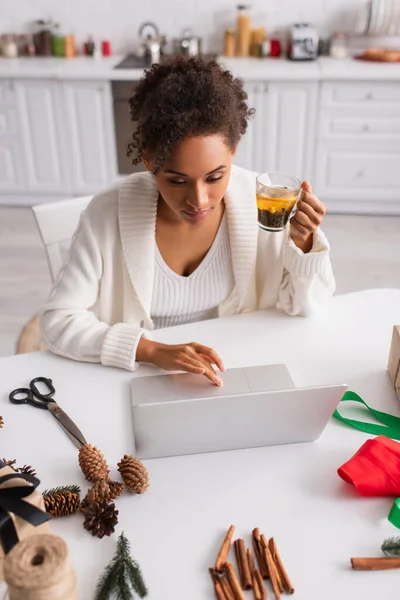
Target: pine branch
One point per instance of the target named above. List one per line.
(122, 576)
(106, 584)
(391, 546)
(136, 579)
(74, 489)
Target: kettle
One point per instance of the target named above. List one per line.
(151, 46)
(188, 44)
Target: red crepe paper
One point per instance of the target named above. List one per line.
(375, 469)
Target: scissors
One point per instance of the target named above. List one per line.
(36, 398)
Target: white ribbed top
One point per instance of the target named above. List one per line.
(178, 300)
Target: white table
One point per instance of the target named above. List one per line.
(291, 492)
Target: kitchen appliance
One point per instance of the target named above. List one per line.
(303, 43)
(188, 44)
(152, 43)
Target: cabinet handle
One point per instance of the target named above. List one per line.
(365, 128)
(360, 174)
(369, 96)
(266, 88)
(100, 88)
(11, 86)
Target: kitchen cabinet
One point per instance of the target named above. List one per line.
(358, 147)
(41, 121)
(90, 135)
(11, 171)
(280, 136)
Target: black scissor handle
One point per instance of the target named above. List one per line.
(49, 383)
(27, 395)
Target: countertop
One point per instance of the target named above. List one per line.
(250, 69)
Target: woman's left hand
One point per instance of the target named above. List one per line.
(308, 217)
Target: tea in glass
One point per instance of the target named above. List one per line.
(277, 195)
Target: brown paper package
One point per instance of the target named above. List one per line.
(23, 528)
(394, 360)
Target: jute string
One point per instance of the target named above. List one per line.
(38, 568)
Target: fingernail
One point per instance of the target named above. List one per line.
(218, 381)
(223, 368)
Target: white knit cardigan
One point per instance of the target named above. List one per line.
(100, 306)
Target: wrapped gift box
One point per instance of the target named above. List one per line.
(22, 510)
(394, 359)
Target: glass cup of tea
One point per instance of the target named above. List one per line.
(277, 195)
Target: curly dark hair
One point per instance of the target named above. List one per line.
(183, 98)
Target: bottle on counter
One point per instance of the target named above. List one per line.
(243, 31)
(339, 46)
(43, 37)
(230, 43)
(69, 46)
(29, 46)
(9, 46)
(89, 47)
(106, 48)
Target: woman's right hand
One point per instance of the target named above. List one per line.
(192, 358)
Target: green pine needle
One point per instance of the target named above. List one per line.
(74, 489)
(122, 576)
(391, 546)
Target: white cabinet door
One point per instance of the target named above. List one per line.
(41, 118)
(280, 135)
(90, 134)
(11, 173)
(289, 128)
(248, 154)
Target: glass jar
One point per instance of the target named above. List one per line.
(243, 31)
(339, 46)
(9, 46)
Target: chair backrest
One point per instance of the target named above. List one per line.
(57, 223)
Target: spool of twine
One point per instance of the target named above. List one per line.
(38, 568)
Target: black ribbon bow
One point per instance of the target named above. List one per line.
(11, 500)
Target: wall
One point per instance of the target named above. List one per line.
(119, 20)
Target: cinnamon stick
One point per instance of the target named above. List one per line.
(219, 593)
(375, 564)
(233, 581)
(226, 588)
(256, 587)
(243, 565)
(273, 571)
(287, 584)
(223, 553)
(260, 585)
(257, 551)
(250, 560)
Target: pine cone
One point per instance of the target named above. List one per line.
(61, 504)
(116, 488)
(92, 462)
(103, 490)
(134, 473)
(1, 422)
(100, 518)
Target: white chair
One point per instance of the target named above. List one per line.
(57, 222)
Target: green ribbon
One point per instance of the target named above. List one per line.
(390, 428)
(394, 515)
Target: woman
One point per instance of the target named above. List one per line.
(180, 243)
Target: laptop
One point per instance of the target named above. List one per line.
(179, 414)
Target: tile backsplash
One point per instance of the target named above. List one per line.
(119, 20)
